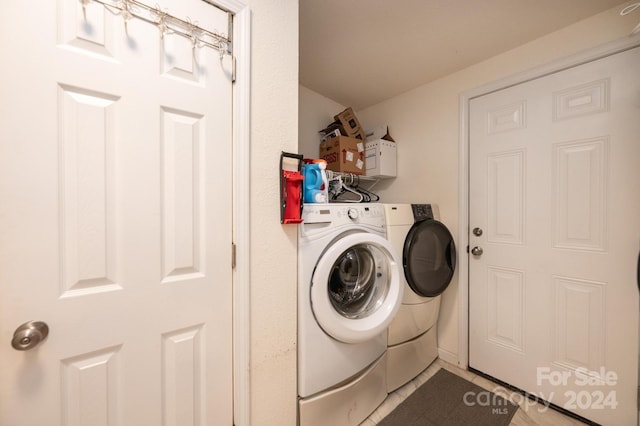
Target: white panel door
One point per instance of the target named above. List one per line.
(554, 178)
(115, 217)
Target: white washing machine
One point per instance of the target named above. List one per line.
(428, 263)
(349, 290)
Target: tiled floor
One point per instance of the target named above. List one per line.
(529, 414)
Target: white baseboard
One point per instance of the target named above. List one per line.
(449, 357)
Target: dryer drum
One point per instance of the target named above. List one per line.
(357, 282)
(429, 258)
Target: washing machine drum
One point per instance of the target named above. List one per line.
(356, 289)
(429, 258)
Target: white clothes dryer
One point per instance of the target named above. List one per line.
(428, 263)
(349, 290)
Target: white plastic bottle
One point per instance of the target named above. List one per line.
(322, 165)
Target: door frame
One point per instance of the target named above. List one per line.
(465, 98)
(241, 186)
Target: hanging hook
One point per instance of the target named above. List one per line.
(84, 7)
(162, 24)
(219, 44)
(192, 33)
(627, 10)
(126, 14)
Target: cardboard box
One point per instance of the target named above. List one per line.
(344, 154)
(380, 158)
(377, 132)
(350, 125)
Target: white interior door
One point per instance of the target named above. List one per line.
(115, 217)
(554, 181)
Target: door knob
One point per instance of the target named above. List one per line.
(477, 232)
(477, 251)
(29, 335)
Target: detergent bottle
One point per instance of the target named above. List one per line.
(316, 185)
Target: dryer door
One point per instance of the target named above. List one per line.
(429, 258)
(356, 289)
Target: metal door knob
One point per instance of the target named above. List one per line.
(29, 335)
(477, 251)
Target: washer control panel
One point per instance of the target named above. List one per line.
(342, 214)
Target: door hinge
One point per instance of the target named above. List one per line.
(233, 255)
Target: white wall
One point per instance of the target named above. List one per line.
(425, 124)
(316, 112)
(274, 128)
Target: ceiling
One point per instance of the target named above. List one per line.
(361, 52)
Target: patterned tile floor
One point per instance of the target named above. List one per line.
(529, 414)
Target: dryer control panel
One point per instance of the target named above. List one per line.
(422, 212)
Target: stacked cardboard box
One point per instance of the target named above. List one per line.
(342, 145)
(380, 158)
(380, 151)
(344, 154)
(345, 124)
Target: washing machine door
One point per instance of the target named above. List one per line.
(429, 258)
(356, 289)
